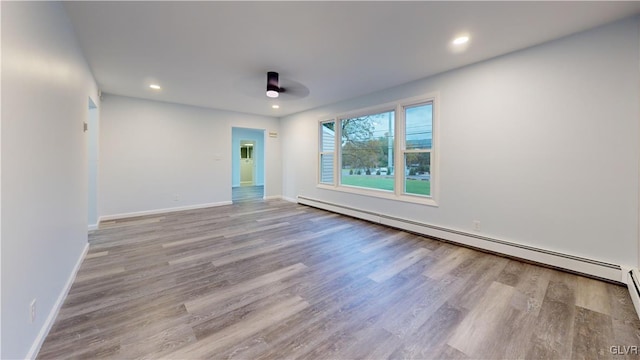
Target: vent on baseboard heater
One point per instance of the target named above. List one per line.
(633, 281)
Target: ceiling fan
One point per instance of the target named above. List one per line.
(293, 89)
(278, 87)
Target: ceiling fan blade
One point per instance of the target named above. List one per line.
(294, 89)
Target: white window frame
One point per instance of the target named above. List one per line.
(399, 149)
(402, 149)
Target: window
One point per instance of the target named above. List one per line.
(327, 149)
(367, 151)
(418, 141)
(388, 152)
(246, 151)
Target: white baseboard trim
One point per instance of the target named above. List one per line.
(92, 227)
(161, 211)
(272, 197)
(48, 323)
(595, 268)
(286, 198)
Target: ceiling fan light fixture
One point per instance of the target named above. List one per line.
(273, 84)
(461, 40)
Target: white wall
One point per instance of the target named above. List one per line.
(45, 83)
(239, 134)
(540, 145)
(151, 151)
(93, 162)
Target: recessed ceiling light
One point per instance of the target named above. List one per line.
(275, 106)
(460, 40)
(155, 86)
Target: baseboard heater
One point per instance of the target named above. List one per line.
(589, 267)
(633, 282)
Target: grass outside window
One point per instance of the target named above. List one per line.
(413, 186)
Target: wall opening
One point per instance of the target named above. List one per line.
(248, 165)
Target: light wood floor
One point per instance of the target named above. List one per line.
(247, 193)
(276, 280)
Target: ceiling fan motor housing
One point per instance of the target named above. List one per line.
(273, 88)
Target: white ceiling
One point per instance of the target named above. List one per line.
(216, 54)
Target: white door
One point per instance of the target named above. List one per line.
(247, 164)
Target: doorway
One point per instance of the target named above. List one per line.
(248, 170)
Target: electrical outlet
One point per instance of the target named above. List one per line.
(32, 311)
(476, 225)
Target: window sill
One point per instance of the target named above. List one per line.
(382, 194)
